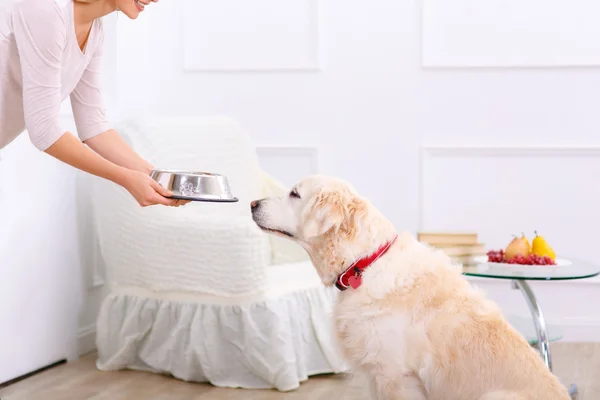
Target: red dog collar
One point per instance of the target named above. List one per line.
(352, 277)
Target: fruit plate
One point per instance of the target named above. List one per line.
(560, 262)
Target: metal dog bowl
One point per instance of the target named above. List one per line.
(195, 186)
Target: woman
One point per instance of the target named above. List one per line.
(51, 49)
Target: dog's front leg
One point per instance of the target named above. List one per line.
(407, 387)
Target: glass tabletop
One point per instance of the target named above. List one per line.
(576, 270)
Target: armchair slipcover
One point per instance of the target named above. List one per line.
(199, 292)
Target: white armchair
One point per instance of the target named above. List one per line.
(199, 292)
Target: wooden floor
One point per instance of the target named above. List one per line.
(578, 363)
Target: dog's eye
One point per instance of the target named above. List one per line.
(294, 193)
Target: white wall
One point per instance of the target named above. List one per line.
(50, 283)
(344, 78)
(39, 270)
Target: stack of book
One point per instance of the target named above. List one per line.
(462, 247)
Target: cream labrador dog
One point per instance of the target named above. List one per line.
(405, 315)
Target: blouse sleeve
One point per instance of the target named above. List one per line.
(40, 35)
(86, 98)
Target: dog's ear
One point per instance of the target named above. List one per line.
(337, 211)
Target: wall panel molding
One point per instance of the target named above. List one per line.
(501, 190)
(289, 163)
(429, 152)
(241, 36)
(510, 33)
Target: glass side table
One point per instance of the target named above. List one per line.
(519, 275)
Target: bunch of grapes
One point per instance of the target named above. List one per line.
(498, 256)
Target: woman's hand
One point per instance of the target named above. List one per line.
(148, 192)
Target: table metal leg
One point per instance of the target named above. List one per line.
(538, 319)
(573, 391)
(540, 326)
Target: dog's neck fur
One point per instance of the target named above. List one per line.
(335, 251)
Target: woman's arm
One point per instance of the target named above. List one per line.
(69, 149)
(145, 190)
(111, 146)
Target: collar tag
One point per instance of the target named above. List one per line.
(352, 277)
(355, 281)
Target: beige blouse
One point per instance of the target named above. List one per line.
(40, 65)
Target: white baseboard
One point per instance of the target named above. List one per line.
(86, 339)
